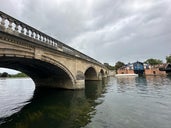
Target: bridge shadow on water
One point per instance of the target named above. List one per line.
(56, 108)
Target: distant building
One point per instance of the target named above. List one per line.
(138, 68)
(144, 69)
(132, 68)
(166, 68)
(154, 70)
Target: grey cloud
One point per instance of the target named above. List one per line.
(108, 30)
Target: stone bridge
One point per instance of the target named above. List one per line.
(46, 60)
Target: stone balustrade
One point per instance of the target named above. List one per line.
(13, 26)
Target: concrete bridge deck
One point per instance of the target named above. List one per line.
(46, 60)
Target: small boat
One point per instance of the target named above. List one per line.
(123, 75)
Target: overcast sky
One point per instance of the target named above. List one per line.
(107, 30)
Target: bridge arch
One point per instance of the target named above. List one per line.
(106, 73)
(102, 72)
(90, 74)
(45, 72)
(60, 65)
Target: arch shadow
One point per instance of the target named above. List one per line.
(44, 73)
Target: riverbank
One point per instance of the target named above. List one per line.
(18, 75)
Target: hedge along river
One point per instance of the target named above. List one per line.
(129, 102)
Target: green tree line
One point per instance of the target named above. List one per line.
(5, 74)
(150, 61)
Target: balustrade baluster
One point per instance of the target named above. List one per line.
(16, 27)
(56, 45)
(22, 29)
(53, 43)
(40, 37)
(36, 37)
(3, 21)
(50, 41)
(10, 24)
(27, 32)
(47, 41)
(43, 38)
(32, 33)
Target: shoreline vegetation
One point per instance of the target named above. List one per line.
(18, 75)
(151, 61)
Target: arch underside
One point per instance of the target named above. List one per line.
(44, 74)
(91, 74)
(102, 73)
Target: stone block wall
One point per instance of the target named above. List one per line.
(154, 71)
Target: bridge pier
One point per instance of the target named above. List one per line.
(80, 84)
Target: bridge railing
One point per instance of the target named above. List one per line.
(18, 28)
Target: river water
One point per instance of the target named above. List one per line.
(129, 102)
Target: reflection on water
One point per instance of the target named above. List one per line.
(128, 102)
(51, 108)
(149, 85)
(135, 102)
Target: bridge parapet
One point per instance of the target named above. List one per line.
(15, 27)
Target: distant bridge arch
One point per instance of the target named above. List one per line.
(91, 73)
(102, 73)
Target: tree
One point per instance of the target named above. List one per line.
(168, 59)
(4, 74)
(20, 75)
(109, 66)
(153, 61)
(118, 65)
